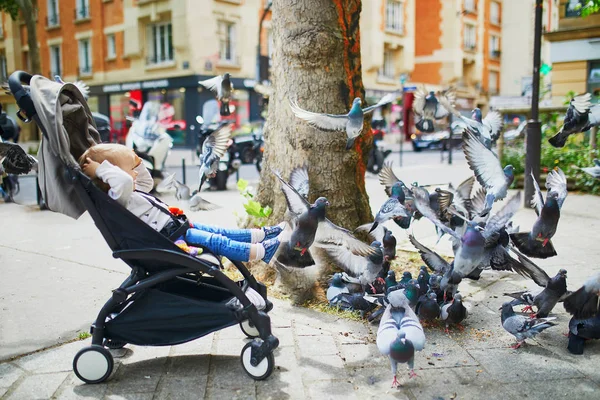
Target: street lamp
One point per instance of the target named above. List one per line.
(258, 48)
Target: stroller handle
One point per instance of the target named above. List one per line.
(22, 96)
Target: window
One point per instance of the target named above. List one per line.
(493, 82)
(469, 37)
(494, 46)
(85, 57)
(111, 47)
(227, 41)
(55, 61)
(388, 69)
(394, 16)
(82, 10)
(593, 83)
(470, 5)
(52, 18)
(494, 13)
(1, 30)
(161, 43)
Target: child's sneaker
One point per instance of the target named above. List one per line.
(271, 247)
(272, 231)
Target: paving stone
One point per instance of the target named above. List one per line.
(374, 382)
(226, 372)
(332, 390)
(285, 336)
(145, 353)
(73, 388)
(131, 396)
(441, 351)
(247, 393)
(321, 368)
(308, 330)
(3, 391)
(58, 359)
(140, 377)
(233, 332)
(39, 386)
(530, 363)
(483, 330)
(198, 346)
(580, 389)
(229, 347)
(285, 359)
(316, 345)
(176, 387)
(459, 383)
(360, 354)
(9, 373)
(188, 365)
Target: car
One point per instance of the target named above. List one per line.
(10, 128)
(435, 140)
(103, 125)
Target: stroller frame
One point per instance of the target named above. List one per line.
(162, 269)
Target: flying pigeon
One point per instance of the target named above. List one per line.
(429, 106)
(486, 130)
(537, 242)
(223, 87)
(580, 117)
(454, 312)
(365, 268)
(593, 171)
(585, 302)
(352, 122)
(488, 171)
(387, 178)
(312, 227)
(392, 208)
(15, 160)
(581, 330)
(213, 148)
(184, 193)
(400, 334)
(545, 300)
(522, 327)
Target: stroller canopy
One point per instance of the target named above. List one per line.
(68, 124)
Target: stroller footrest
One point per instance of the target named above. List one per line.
(261, 350)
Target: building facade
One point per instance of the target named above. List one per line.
(575, 53)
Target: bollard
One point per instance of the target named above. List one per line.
(183, 170)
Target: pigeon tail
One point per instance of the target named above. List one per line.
(575, 345)
(295, 258)
(425, 125)
(532, 248)
(374, 226)
(225, 109)
(559, 140)
(475, 274)
(489, 203)
(350, 143)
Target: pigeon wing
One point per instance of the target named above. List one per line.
(387, 178)
(493, 123)
(530, 269)
(213, 84)
(197, 203)
(388, 98)
(419, 100)
(446, 98)
(557, 182)
(296, 203)
(582, 103)
(483, 162)
(537, 201)
(218, 140)
(328, 122)
(328, 232)
(352, 264)
(299, 180)
(501, 218)
(432, 259)
(478, 202)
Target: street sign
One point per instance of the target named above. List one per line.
(409, 88)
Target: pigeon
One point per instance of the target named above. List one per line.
(81, 85)
(488, 171)
(580, 117)
(593, 171)
(486, 130)
(183, 193)
(389, 245)
(312, 227)
(336, 287)
(585, 302)
(354, 302)
(387, 178)
(545, 300)
(352, 122)
(522, 327)
(223, 87)
(400, 334)
(581, 330)
(422, 203)
(392, 208)
(213, 148)
(423, 281)
(537, 242)
(428, 308)
(390, 280)
(366, 268)
(406, 277)
(299, 180)
(454, 312)
(15, 160)
(428, 107)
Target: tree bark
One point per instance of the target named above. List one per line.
(29, 12)
(317, 62)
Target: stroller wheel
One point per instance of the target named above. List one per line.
(114, 344)
(93, 364)
(249, 329)
(263, 370)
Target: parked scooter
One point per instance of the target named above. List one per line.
(378, 153)
(149, 140)
(258, 148)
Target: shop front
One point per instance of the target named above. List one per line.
(181, 99)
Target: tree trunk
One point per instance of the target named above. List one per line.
(317, 62)
(593, 138)
(29, 12)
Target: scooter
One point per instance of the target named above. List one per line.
(258, 148)
(149, 140)
(379, 152)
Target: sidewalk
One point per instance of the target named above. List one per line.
(57, 272)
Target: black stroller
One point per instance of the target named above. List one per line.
(170, 297)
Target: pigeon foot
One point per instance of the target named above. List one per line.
(527, 309)
(447, 331)
(516, 346)
(412, 374)
(395, 383)
(460, 327)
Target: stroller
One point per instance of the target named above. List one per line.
(170, 297)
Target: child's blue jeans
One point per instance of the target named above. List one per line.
(231, 243)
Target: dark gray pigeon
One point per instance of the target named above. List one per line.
(581, 330)
(585, 302)
(355, 302)
(431, 106)
(387, 178)
(15, 160)
(352, 122)
(428, 308)
(593, 171)
(580, 117)
(537, 242)
(223, 88)
(488, 171)
(454, 312)
(522, 327)
(213, 148)
(392, 208)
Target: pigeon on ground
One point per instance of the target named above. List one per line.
(423, 281)
(223, 88)
(585, 302)
(537, 242)
(410, 290)
(336, 287)
(522, 327)
(392, 208)
(312, 228)
(365, 268)
(387, 178)
(15, 160)
(454, 312)
(299, 180)
(390, 280)
(488, 171)
(355, 302)
(593, 171)
(581, 330)
(431, 106)
(545, 300)
(213, 148)
(184, 193)
(389, 244)
(406, 277)
(400, 334)
(487, 130)
(428, 308)
(352, 122)
(580, 117)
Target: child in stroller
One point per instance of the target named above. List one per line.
(120, 173)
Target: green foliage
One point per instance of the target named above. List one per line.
(256, 212)
(590, 7)
(83, 335)
(11, 7)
